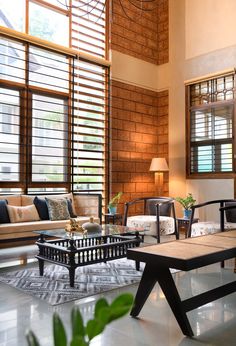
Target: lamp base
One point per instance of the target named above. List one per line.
(159, 183)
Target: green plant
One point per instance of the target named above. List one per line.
(115, 200)
(186, 202)
(82, 334)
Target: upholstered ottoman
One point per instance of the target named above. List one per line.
(209, 227)
(149, 223)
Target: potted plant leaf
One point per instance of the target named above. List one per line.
(112, 205)
(82, 334)
(186, 203)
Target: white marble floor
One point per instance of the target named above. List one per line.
(213, 324)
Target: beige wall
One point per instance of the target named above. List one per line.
(202, 42)
(128, 69)
(209, 25)
(201, 32)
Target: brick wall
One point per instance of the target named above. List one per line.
(163, 32)
(139, 132)
(145, 35)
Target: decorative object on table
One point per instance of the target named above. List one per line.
(82, 333)
(74, 227)
(159, 165)
(91, 226)
(112, 205)
(186, 203)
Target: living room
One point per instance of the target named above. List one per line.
(130, 102)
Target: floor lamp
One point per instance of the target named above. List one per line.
(159, 165)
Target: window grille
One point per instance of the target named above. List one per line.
(34, 117)
(90, 127)
(54, 108)
(211, 119)
(89, 29)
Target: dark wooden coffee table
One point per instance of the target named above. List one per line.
(187, 254)
(72, 252)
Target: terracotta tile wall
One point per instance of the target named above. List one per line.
(144, 36)
(139, 132)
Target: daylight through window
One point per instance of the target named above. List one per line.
(53, 100)
(210, 119)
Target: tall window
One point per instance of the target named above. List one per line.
(34, 117)
(210, 126)
(53, 100)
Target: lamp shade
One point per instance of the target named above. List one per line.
(159, 164)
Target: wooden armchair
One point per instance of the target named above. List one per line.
(155, 214)
(229, 213)
(226, 221)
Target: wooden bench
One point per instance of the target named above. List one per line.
(187, 254)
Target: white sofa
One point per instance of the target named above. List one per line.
(20, 233)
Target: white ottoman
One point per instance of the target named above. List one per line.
(209, 227)
(149, 223)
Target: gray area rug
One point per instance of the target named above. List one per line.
(54, 287)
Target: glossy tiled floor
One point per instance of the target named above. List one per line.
(213, 324)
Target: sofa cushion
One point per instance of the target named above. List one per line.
(149, 223)
(209, 227)
(42, 208)
(29, 199)
(4, 217)
(70, 208)
(22, 214)
(57, 209)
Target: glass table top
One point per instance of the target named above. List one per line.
(108, 229)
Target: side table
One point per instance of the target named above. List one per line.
(113, 218)
(183, 224)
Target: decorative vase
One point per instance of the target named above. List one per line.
(112, 210)
(91, 226)
(187, 213)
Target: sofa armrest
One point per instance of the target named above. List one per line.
(88, 204)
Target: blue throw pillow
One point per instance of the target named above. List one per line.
(4, 217)
(42, 208)
(70, 208)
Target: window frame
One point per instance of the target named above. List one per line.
(25, 169)
(213, 105)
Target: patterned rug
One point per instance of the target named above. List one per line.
(54, 287)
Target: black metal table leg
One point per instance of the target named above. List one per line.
(140, 239)
(137, 265)
(72, 276)
(41, 266)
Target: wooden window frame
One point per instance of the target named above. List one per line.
(25, 181)
(214, 104)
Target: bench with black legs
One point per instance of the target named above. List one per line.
(187, 254)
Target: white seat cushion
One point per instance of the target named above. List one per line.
(209, 227)
(148, 222)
